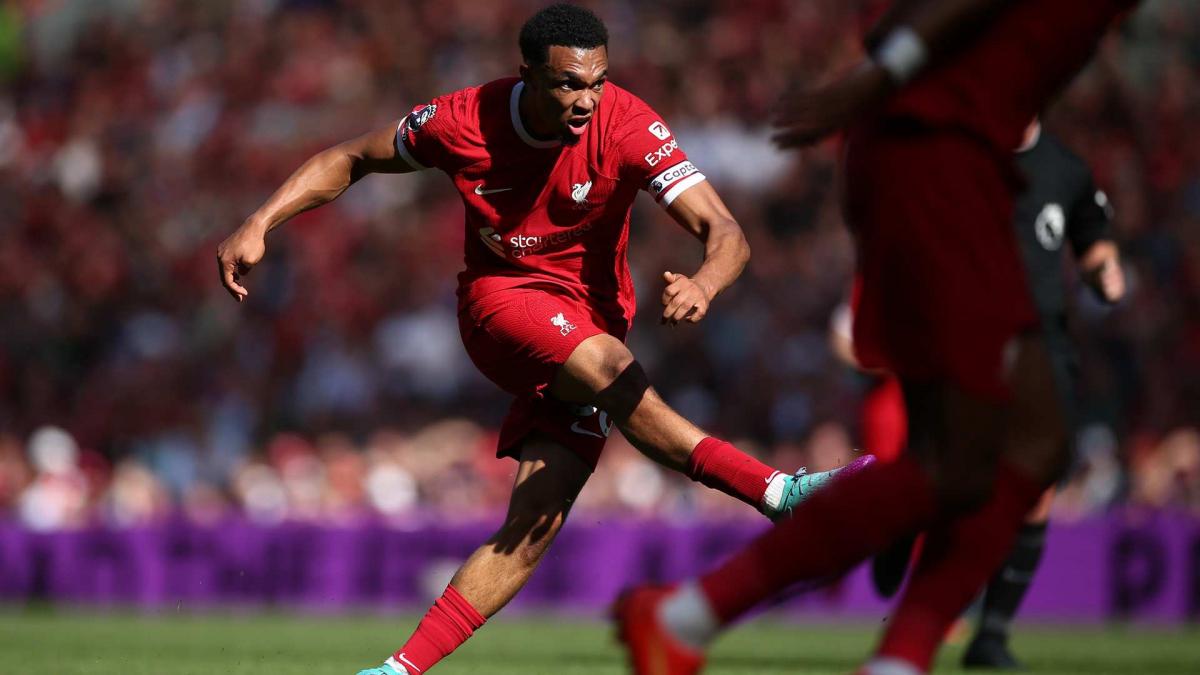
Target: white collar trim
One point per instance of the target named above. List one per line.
(514, 109)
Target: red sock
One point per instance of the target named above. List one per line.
(723, 467)
(957, 560)
(834, 529)
(446, 625)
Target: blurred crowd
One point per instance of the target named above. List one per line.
(136, 134)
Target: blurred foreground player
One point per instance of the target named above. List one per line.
(929, 188)
(1059, 204)
(548, 166)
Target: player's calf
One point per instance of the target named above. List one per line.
(548, 479)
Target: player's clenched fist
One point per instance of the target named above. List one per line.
(240, 252)
(683, 299)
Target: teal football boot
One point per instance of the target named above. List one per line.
(803, 485)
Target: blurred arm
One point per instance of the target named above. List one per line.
(913, 34)
(941, 24)
(320, 180)
(700, 211)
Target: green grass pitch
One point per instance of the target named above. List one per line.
(70, 643)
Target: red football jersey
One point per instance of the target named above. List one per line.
(1005, 77)
(543, 212)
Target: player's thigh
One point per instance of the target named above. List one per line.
(519, 339)
(943, 288)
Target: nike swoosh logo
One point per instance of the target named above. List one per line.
(409, 663)
(580, 430)
(480, 191)
(770, 478)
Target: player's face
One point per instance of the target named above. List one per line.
(567, 89)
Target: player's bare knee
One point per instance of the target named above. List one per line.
(601, 372)
(614, 364)
(626, 390)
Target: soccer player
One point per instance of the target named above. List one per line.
(548, 166)
(929, 188)
(1059, 204)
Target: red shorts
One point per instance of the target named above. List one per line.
(943, 290)
(519, 339)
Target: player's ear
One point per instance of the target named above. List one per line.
(526, 74)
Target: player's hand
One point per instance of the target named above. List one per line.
(683, 299)
(1101, 267)
(1110, 281)
(237, 255)
(807, 116)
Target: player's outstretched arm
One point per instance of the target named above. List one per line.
(699, 210)
(320, 180)
(911, 35)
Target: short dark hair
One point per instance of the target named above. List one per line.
(560, 25)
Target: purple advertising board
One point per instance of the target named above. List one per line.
(1120, 566)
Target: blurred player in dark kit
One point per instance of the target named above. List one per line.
(930, 181)
(548, 166)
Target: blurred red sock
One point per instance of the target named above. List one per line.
(832, 530)
(956, 561)
(447, 624)
(721, 466)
